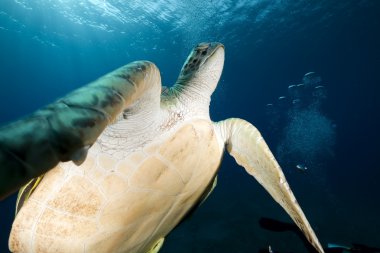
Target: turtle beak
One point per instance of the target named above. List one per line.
(216, 50)
(210, 46)
(207, 50)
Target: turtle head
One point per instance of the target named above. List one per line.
(205, 57)
(201, 72)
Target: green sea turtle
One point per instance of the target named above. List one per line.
(156, 159)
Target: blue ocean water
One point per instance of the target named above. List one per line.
(48, 48)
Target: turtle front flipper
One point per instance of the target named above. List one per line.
(65, 129)
(245, 143)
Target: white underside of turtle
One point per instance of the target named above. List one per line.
(154, 162)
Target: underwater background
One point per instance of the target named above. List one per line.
(305, 73)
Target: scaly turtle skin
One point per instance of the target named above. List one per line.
(156, 158)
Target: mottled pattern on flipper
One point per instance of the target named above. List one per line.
(35, 144)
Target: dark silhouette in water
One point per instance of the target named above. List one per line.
(356, 247)
(279, 226)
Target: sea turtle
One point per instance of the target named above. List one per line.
(156, 159)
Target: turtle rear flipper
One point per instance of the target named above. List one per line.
(26, 191)
(157, 246)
